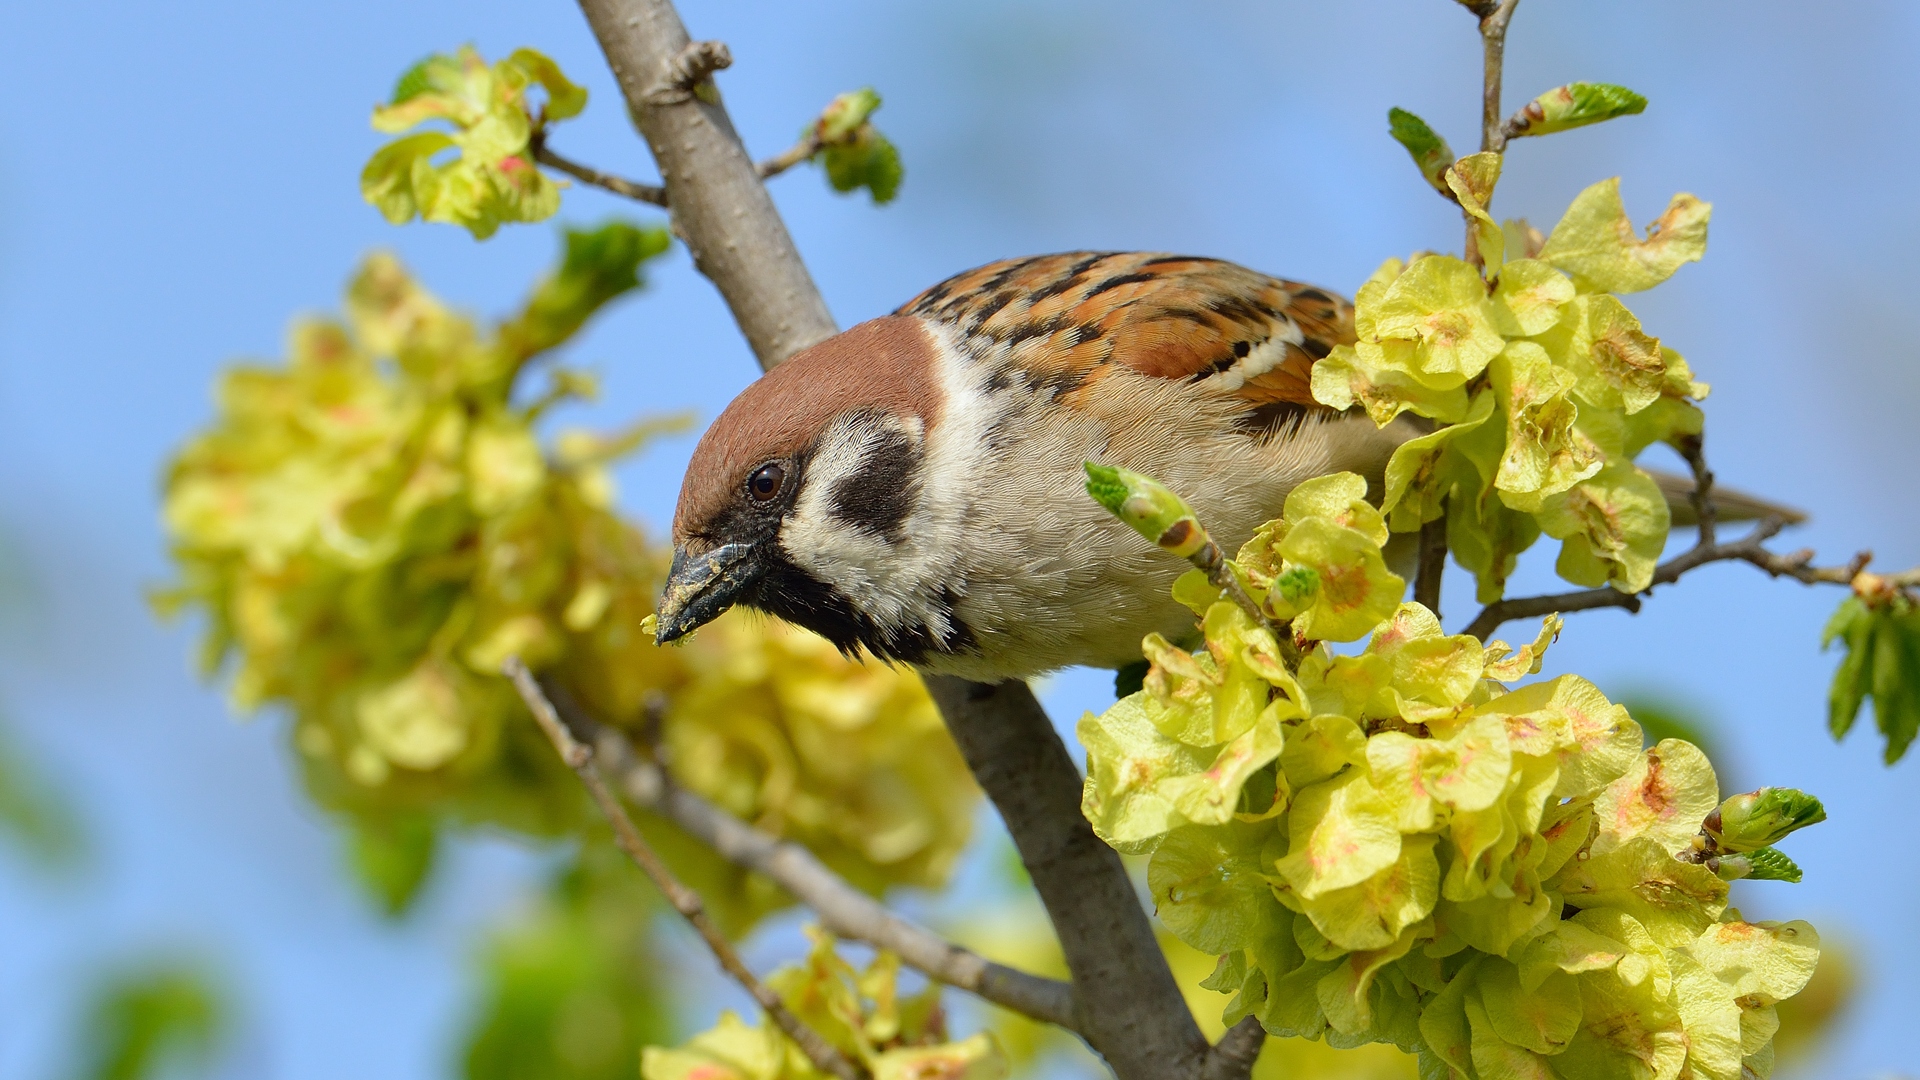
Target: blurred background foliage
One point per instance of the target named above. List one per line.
(1284, 180)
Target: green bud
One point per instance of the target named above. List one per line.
(1298, 585)
(845, 114)
(1767, 864)
(1574, 105)
(1147, 507)
(1431, 154)
(1762, 818)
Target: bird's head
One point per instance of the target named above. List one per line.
(798, 498)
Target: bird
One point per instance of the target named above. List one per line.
(913, 486)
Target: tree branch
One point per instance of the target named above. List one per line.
(1748, 549)
(844, 910)
(1493, 44)
(1131, 1008)
(719, 206)
(1433, 563)
(684, 900)
(808, 146)
(651, 194)
(1233, 1056)
(1706, 515)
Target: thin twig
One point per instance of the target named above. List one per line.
(684, 900)
(844, 910)
(1750, 548)
(1493, 43)
(651, 194)
(808, 146)
(1432, 566)
(1693, 449)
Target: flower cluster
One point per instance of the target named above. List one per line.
(1402, 845)
(1544, 387)
(373, 527)
(863, 1014)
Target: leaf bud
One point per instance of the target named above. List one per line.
(1574, 105)
(1430, 153)
(1766, 864)
(1147, 507)
(1762, 818)
(845, 114)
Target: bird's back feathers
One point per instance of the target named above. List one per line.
(1073, 319)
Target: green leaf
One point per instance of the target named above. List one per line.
(1431, 154)
(412, 82)
(493, 178)
(393, 856)
(868, 160)
(853, 152)
(564, 98)
(149, 1022)
(1574, 105)
(33, 814)
(401, 174)
(1852, 625)
(1766, 864)
(1882, 639)
(599, 265)
(571, 987)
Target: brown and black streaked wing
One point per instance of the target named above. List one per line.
(1071, 319)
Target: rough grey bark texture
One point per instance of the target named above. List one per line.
(720, 208)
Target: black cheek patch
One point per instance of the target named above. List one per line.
(881, 493)
(788, 592)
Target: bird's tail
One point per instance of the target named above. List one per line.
(1729, 504)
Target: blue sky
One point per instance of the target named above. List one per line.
(177, 180)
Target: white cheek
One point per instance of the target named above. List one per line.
(884, 576)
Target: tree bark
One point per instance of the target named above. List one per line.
(719, 206)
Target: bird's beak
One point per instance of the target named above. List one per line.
(701, 587)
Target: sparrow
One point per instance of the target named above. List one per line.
(913, 486)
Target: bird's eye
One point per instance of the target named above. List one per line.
(766, 482)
